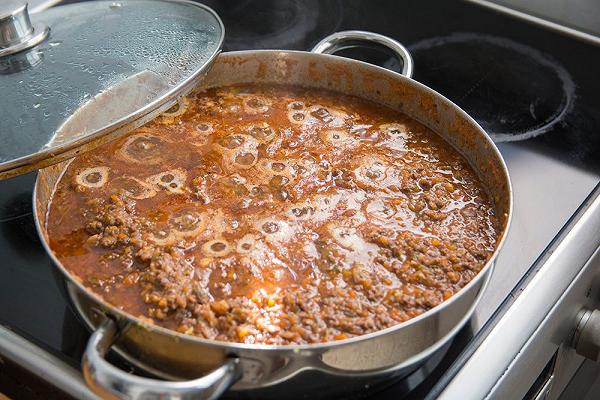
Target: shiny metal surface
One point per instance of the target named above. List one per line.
(582, 15)
(40, 5)
(541, 209)
(43, 364)
(17, 33)
(347, 39)
(545, 390)
(158, 49)
(111, 382)
(19, 62)
(391, 352)
(543, 22)
(14, 24)
(542, 317)
(587, 335)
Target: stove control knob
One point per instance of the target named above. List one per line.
(17, 33)
(586, 339)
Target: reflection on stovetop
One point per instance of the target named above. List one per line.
(534, 88)
(27, 282)
(493, 78)
(15, 198)
(514, 91)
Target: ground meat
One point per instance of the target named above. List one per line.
(275, 215)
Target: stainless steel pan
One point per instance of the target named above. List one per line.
(221, 365)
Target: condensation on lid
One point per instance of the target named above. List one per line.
(106, 68)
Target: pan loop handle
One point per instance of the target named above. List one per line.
(109, 381)
(349, 39)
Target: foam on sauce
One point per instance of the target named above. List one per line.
(274, 214)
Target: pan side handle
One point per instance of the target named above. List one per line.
(108, 381)
(349, 39)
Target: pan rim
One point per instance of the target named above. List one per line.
(484, 273)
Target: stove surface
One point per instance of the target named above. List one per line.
(534, 91)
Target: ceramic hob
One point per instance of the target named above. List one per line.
(535, 91)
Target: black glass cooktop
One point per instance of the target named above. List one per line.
(533, 90)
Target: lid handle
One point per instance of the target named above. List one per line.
(17, 33)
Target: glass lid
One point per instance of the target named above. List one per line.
(76, 76)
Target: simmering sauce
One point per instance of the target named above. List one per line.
(274, 214)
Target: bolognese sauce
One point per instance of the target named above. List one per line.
(274, 215)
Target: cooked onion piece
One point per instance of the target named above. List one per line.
(254, 104)
(246, 244)
(172, 180)
(169, 116)
(216, 248)
(95, 177)
(143, 148)
(187, 222)
(133, 187)
(337, 138)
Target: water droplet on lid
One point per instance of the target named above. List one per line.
(115, 5)
(36, 105)
(55, 43)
